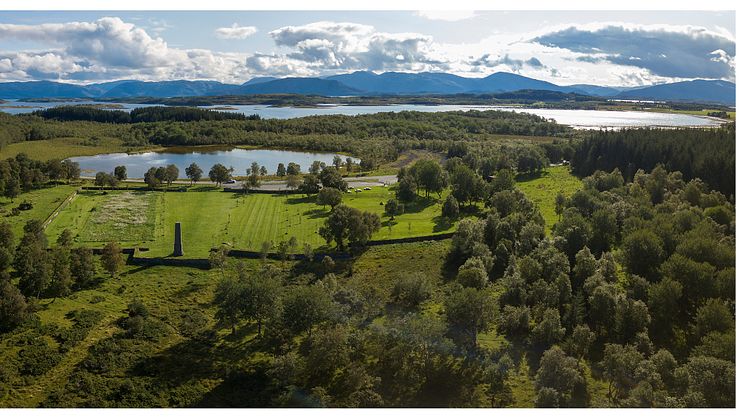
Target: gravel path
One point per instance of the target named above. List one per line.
(278, 185)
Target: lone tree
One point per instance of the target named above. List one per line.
(172, 173)
(254, 169)
(430, 176)
(219, 174)
(559, 204)
(392, 208)
(346, 223)
(13, 307)
(407, 189)
(151, 179)
(331, 178)
(310, 185)
(194, 173)
(450, 208)
(120, 172)
(349, 165)
(293, 182)
(329, 196)
(111, 258)
(105, 179)
(280, 170)
(229, 301)
(468, 311)
(293, 169)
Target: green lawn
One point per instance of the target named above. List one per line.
(544, 189)
(208, 219)
(44, 202)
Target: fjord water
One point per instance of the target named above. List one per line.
(578, 118)
(205, 157)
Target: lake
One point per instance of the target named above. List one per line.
(577, 118)
(205, 157)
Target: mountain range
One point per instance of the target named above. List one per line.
(364, 83)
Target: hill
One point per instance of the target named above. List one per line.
(715, 91)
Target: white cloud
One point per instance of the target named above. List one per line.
(235, 32)
(664, 50)
(109, 48)
(447, 15)
(108, 40)
(343, 45)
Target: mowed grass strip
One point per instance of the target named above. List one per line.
(543, 190)
(244, 221)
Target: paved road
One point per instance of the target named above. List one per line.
(278, 185)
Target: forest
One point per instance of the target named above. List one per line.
(628, 300)
(709, 155)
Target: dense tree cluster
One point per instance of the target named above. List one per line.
(656, 321)
(707, 154)
(349, 225)
(377, 138)
(661, 314)
(23, 174)
(146, 114)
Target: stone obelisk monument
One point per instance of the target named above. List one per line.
(178, 249)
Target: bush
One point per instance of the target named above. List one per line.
(38, 358)
(412, 290)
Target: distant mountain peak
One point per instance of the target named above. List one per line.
(363, 82)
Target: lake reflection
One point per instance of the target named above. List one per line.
(182, 157)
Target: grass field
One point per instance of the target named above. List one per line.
(44, 202)
(544, 189)
(62, 148)
(245, 221)
(123, 216)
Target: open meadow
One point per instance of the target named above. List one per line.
(543, 190)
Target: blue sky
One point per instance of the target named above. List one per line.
(565, 47)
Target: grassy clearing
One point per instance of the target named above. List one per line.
(210, 218)
(544, 189)
(44, 202)
(62, 148)
(126, 216)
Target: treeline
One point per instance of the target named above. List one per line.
(380, 137)
(147, 114)
(708, 154)
(23, 174)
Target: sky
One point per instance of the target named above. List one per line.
(611, 48)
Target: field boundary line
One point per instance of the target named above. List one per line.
(59, 208)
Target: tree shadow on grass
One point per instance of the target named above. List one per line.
(525, 177)
(316, 213)
(204, 188)
(136, 270)
(441, 223)
(419, 204)
(183, 366)
(299, 199)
